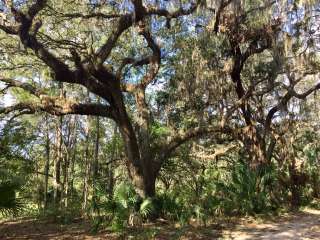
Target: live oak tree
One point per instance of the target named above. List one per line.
(84, 43)
(114, 50)
(269, 68)
(252, 69)
(252, 65)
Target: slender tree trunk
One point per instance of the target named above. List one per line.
(95, 167)
(86, 167)
(39, 190)
(110, 167)
(47, 164)
(58, 159)
(57, 165)
(66, 179)
(66, 170)
(73, 159)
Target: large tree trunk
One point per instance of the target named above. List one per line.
(294, 186)
(255, 147)
(141, 170)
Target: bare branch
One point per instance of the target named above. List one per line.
(134, 63)
(306, 93)
(123, 24)
(178, 13)
(155, 59)
(127, 21)
(222, 6)
(92, 15)
(13, 30)
(36, 8)
(285, 99)
(27, 33)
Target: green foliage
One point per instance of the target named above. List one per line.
(159, 130)
(14, 165)
(246, 191)
(10, 204)
(147, 207)
(234, 76)
(116, 211)
(167, 206)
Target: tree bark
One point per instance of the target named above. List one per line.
(86, 167)
(110, 167)
(96, 150)
(47, 164)
(57, 164)
(72, 169)
(95, 167)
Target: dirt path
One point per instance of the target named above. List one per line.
(302, 225)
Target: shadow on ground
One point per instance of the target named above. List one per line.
(35, 230)
(300, 225)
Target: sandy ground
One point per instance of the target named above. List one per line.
(301, 225)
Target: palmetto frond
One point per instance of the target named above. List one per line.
(9, 203)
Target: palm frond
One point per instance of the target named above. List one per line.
(9, 203)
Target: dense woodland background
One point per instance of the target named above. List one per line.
(123, 112)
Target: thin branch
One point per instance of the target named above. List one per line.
(92, 15)
(123, 24)
(222, 6)
(178, 13)
(284, 100)
(12, 30)
(27, 33)
(155, 59)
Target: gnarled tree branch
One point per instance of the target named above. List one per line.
(284, 100)
(23, 85)
(181, 138)
(178, 13)
(123, 24)
(59, 107)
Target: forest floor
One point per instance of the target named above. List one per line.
(299, 225)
